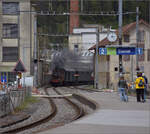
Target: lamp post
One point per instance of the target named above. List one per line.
(120, 36)
(137, 36)
(35, 53)
(96, 59)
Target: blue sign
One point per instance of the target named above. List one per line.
(121, 51)
(139, 51)
(102, 51)
(3, 79)
(126, 51)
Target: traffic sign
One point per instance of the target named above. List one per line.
(102, 51)
(19, 67)
(139, 51)
(120, 50)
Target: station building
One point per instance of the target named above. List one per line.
(16, 37)
(108, 72)
(82, 38)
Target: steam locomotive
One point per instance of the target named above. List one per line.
(71, 76)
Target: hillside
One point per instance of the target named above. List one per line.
(60, 24)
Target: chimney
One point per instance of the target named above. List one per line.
(74, 18)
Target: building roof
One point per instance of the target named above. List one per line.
(125, 29)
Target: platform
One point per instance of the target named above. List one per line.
(112, 117)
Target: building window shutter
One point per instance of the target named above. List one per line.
(10, 8)
(10, 54)
(126, 38)
(141, 36)
(10, 31)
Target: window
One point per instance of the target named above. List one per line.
(141, 35)
(141, 57)
(12, 76)
(126, 57)
(10, 31)
(10, 8)
(76, 48)
(126, 38)
(148, 55)
(116, 69)
(10, 54)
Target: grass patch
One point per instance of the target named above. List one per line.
(26, 103)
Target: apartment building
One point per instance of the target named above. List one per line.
(16, 37)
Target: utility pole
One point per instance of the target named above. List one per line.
(18, 21)
(120, 36)
(81, 5)
(137, 36)
(149, 12)
(35, 53)
(96, 59)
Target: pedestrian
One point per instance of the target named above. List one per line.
(145, 86)
(122, 87)
(139, 85)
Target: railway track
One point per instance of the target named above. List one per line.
(36, 123)
(53, 119)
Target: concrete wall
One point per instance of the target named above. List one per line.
(103, 72)
(25, 35)
(75, 39)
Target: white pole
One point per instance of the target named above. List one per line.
(96, 59)
(35, 53)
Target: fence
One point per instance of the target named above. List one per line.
(12, 99)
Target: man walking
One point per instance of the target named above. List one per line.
(122, 86)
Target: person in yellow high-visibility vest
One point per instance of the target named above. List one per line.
(139, 85)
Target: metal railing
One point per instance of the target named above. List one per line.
(12, 98)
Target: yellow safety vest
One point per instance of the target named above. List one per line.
(137, 82)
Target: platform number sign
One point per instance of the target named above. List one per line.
(120, 51)
(139, 51)
(102, 51)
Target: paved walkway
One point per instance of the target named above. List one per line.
(112, 117)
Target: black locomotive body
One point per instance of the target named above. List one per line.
(62, 76)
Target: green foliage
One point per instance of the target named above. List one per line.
(58, 24)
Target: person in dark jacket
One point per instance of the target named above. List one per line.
(122, 86)
(145, 86)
